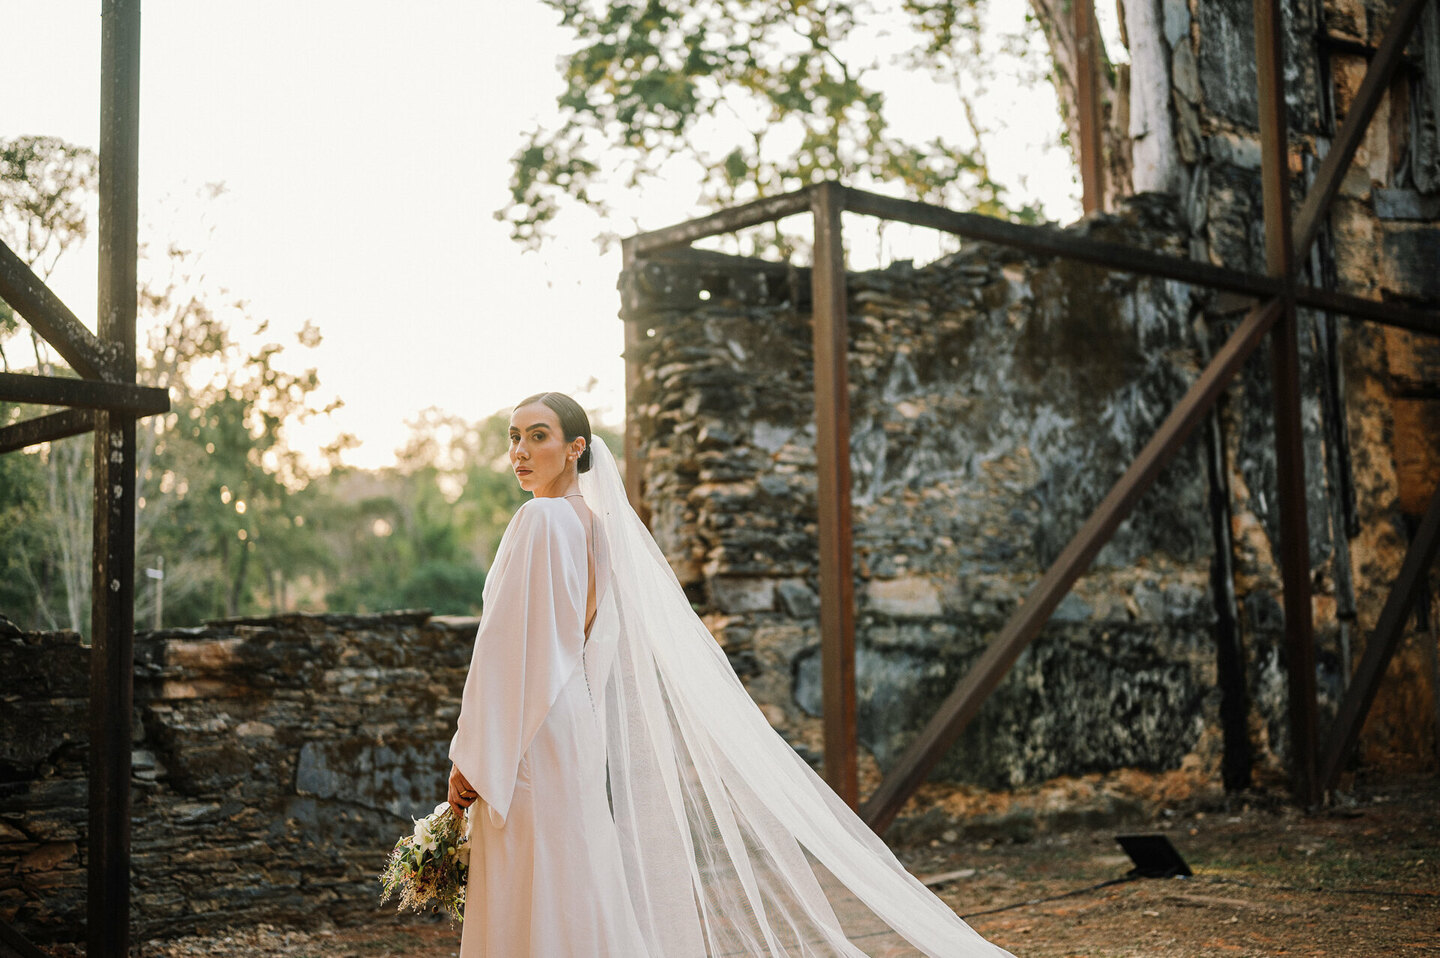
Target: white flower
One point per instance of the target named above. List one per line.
(423, 838)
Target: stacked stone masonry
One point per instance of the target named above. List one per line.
(995, 397)
(275, 764)
(1371, 395)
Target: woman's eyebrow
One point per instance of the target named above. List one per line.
(537, 425)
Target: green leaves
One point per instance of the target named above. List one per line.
(46, 192)
(418, 535)
(766, 97)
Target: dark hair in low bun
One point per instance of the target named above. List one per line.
(573, 421)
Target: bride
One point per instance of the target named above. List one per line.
(629, 799)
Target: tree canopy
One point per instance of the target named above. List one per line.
(764, 97)
(236, 521)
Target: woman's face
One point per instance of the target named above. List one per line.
(543, 461)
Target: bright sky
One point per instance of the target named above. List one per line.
(364, 146)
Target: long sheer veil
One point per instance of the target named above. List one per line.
(732, 844)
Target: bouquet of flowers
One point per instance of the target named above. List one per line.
(428, 867)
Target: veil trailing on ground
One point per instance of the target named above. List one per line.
(732, 844)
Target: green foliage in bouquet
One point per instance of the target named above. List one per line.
(428, 867)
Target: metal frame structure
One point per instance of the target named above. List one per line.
(1276, 294)
(105, 400)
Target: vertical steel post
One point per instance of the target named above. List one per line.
(1087, 92)
(634, 489)
(832, 450)
(1289, 438)
(112, 619)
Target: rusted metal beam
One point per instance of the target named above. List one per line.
(118, 397)
(1050, 241)
(1362, 109)
(634, 480)
(32, 432)
(1294, 549)
(1388, 314)
(112, 613)
(961, 706)
(1087, 93)
(1389, 630)
(831, 336)
(1280, 263)
(51, 318)
(765, 210)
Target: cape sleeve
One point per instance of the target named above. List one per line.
(531, 638)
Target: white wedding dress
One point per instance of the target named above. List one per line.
(546, 874)
(633, 800)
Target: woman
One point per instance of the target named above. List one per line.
(634, 801)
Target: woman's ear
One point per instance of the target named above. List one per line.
(577, 448)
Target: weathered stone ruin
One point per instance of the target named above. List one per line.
(275, 764)
(994, 399)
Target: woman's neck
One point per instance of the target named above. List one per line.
(568, 485)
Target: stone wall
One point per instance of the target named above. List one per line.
(275, 764)
(994, 399)
(1372, 395)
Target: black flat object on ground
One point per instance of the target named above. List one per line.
(1154, 856)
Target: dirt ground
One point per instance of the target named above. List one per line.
(1361, 878)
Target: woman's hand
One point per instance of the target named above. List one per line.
(461, 794)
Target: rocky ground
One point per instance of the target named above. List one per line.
(1361, 878)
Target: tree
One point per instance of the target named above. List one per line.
(766, 97)
(222, 495)
(219, 492)
(24, 583)
(421, 534)
(769, 97)
(46, 191)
